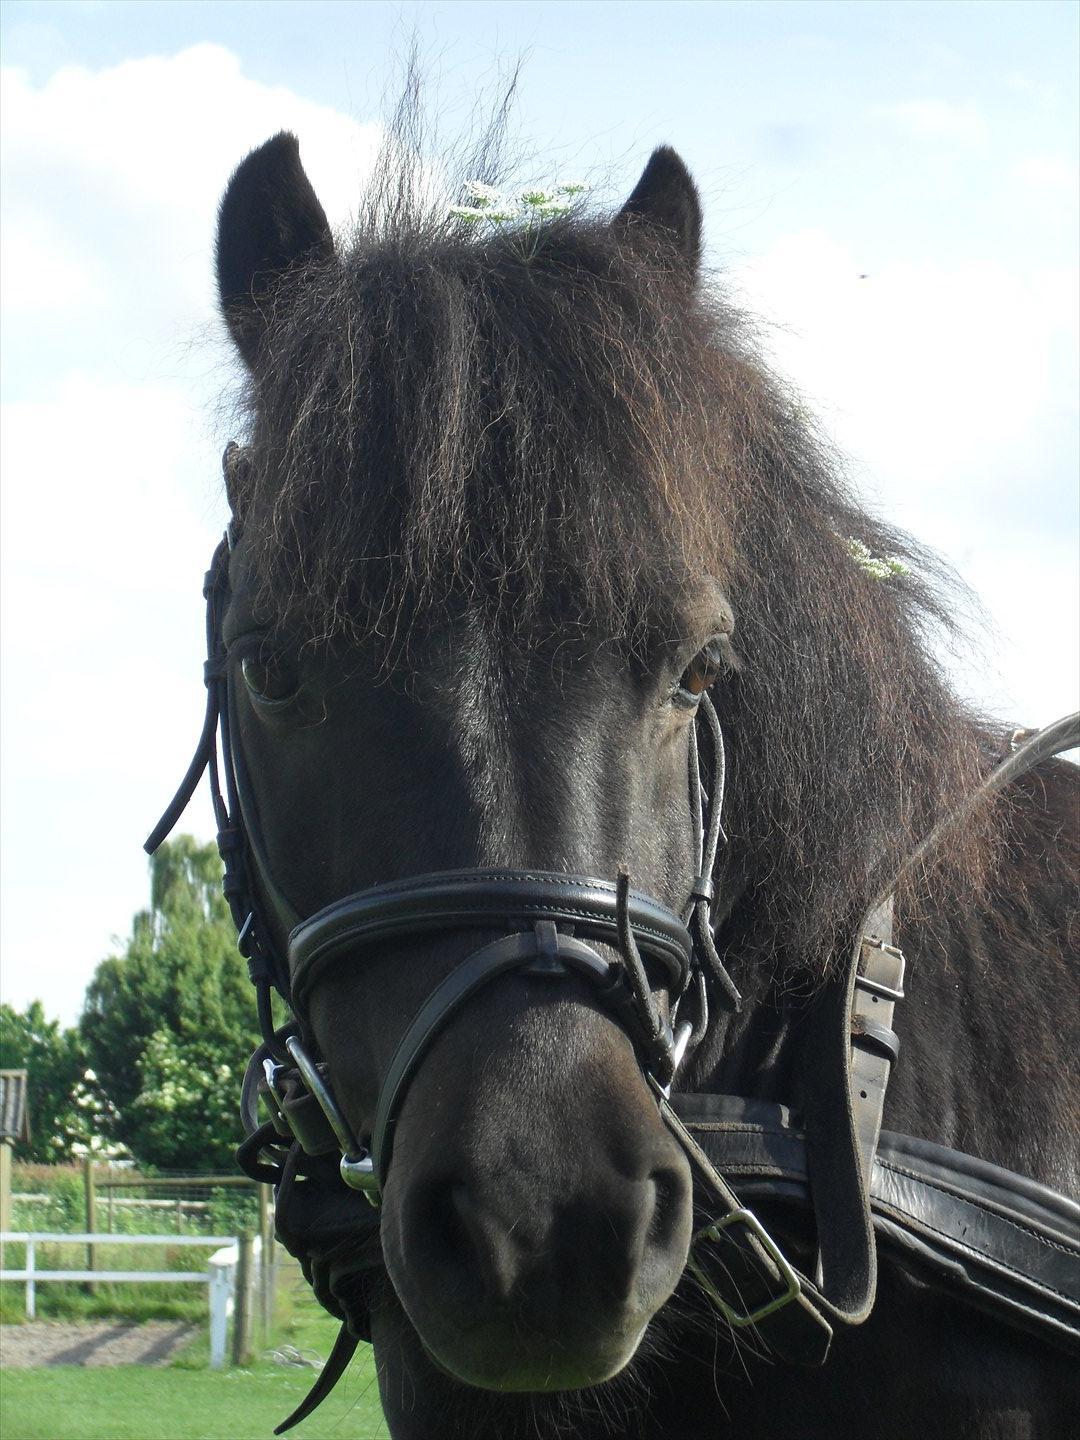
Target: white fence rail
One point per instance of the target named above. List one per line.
(219, 1277)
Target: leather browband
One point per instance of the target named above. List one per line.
(478, 900)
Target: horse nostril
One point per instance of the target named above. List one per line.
(484, 1245)
(451, 1235)
(671, 1199)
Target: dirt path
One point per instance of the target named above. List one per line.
(93, 1342)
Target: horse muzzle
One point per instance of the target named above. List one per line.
(531, 1244)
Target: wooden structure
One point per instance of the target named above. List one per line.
(14, 1125)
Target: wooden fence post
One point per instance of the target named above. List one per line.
(91, 1213)
(242, 1302)
(267, 1267)
(5, 1184)
(5, 1192)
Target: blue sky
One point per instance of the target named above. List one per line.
(893, 187)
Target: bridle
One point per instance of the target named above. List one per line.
(548, 925)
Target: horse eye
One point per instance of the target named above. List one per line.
(703, 671)
(268, 680)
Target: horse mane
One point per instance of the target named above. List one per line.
(551, 422)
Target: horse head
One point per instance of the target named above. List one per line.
(457, 648)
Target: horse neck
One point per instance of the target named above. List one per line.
(756, 1052)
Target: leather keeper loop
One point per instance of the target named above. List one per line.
(877, 1038)
(704, 888)
(259, 968)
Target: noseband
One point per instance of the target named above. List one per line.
(561, 913)
(547, 926)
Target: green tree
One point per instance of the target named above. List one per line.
(69, 1114)
(169, 1024)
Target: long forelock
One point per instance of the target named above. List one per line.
(549, 424)
(521, 422)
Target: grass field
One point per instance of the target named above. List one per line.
(132, 1403)
(187, 1401)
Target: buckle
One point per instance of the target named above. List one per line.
(272, 1073)
(791, 1281)
(888, 964)
(272, 1076)
(356, 1166)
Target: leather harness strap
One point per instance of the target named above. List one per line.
(478, 899)
(542, 952)
(1011, 1244)
(337, 1362)
(744, 1272)
(879, 986)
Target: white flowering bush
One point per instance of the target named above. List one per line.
(168, 1025)
(186, 1105)
(91, 1123)
(70, 1111)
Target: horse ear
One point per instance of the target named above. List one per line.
(269, 220)
(666, 198)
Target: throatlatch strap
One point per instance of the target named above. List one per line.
(850, 1048)
(753, 1285)
(336, 1364)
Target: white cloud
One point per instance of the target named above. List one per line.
(101, 529)
(940, 368)
(42, 268)
(1048, 172)
(929, 119)
(110, 185)
(163, 133)
(127, 165)
(955, 391)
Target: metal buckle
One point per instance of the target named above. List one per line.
(357, 1167)
(894, 972)
(875, 987)
(740, 1319)
(272, 1073)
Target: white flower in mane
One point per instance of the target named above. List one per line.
(482, 195)
(878, 567)
(484, 202)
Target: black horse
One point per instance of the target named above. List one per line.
(522, 536)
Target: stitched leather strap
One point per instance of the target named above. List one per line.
(879, 985)
(482, 899)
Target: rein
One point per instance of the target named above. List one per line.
(548, 925)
